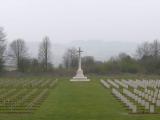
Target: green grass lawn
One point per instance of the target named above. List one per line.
(79, 101)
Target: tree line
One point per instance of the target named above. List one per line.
(17, 53)
(146, 59)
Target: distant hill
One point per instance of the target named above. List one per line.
(101, 50)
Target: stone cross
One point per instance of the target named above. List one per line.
(79, 75)
(79, 61)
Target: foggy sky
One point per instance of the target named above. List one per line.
(69, 20)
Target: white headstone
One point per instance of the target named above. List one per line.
(151, 110)
(134, 109)
(146, 105)
(158, 103)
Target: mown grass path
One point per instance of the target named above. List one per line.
(80, 101)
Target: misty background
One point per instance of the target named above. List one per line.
(101, 50)
(103, 28)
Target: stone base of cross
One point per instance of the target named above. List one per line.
(79, 76)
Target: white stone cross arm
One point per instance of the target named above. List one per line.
(79, 51)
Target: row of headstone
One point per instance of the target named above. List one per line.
(152, 98)
(124, 85)
(125, 100)
(17, 94)
(11, 91)
(139, 100)
(19, 99)
(24, 83)
(27, 96)
(149, 83)
(37, 99)
(45, 83)
(143, 93)
(130, 94)
(53, 83)
(145, 83)
(113, 83)
(103, 82)
(130, 83)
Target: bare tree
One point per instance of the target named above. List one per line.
(19, 52)
(143, 50)
(122, 56)
(88, 61)
(45, 53)
(149, 49)
(155, 49)
(2, 47)
(70, 58)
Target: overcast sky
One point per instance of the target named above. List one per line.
(68, 20)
